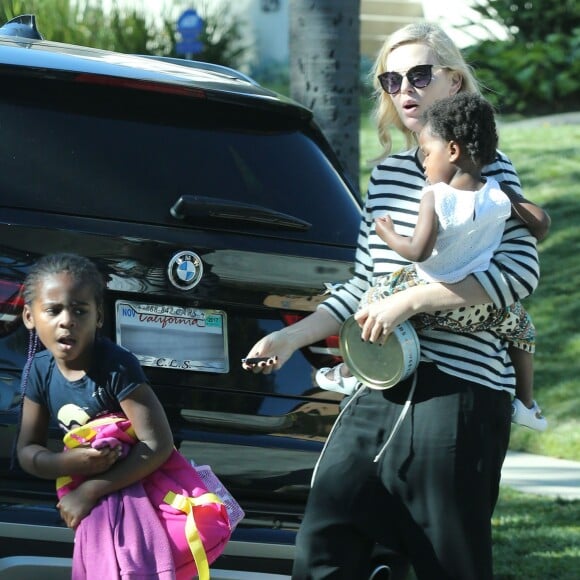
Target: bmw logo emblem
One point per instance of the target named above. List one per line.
(185, 270)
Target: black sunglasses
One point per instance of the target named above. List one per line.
(419, 76)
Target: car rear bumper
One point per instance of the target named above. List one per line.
(20, 559)
(26, 567)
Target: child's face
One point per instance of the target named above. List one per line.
(439, 157)
(66, 317)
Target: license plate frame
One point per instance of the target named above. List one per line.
(173, 337)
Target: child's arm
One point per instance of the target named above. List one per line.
(154, 445)
(419, 246)
(35, 457)
(534, 217)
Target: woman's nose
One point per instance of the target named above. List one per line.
(406, 86)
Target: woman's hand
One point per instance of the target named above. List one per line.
(276, 348)
(280, 345)
(379, 319)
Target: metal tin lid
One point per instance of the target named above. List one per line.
(380, 366)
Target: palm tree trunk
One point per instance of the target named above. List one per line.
(324, 71)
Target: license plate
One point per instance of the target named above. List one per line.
(174, 337)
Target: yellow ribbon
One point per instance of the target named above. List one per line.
(186, 505)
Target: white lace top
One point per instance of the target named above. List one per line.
(471, 225)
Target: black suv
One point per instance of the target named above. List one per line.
(217, 212)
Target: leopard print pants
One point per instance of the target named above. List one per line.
(512, 323)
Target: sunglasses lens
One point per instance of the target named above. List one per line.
(420, 76)
(391, 82)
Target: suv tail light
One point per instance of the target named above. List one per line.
(141, 85)
(324, 353)
(11, 304)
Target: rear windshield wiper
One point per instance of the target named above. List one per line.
(199, 208)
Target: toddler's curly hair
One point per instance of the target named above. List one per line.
(468, 119)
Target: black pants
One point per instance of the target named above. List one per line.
(429, 497)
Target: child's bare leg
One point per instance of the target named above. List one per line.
(345, 371)
(339, 368)
(525, 410)
(338, 378)
(524, 366)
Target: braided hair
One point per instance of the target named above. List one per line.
(82, 270)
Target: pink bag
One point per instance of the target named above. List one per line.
(195, 518)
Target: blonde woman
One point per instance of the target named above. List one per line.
(417, 467)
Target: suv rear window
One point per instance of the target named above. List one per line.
(119, 154)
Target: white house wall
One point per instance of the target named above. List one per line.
(265, 22)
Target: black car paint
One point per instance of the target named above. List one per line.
(85, 136)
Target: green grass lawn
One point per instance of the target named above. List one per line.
(536, 537)
(548, 161)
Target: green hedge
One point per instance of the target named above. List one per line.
(539, 77)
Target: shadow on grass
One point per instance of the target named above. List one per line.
(536, 537)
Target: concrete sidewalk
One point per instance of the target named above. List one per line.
(542, 475)
(572, 118)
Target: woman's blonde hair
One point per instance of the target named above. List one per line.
(448, 55)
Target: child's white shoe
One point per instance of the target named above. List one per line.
(531, 418)
(330, 379)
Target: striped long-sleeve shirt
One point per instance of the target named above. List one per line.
(395, 188)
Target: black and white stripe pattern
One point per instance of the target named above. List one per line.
(395, 187)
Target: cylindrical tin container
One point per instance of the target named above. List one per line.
(380, 366)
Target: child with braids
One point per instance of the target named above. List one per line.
(128, 493)
(79, 377)
(460, 224)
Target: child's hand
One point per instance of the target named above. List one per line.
(88, 461)
(384, 226)
(74, 506)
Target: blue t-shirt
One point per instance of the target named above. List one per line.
(115, 373)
